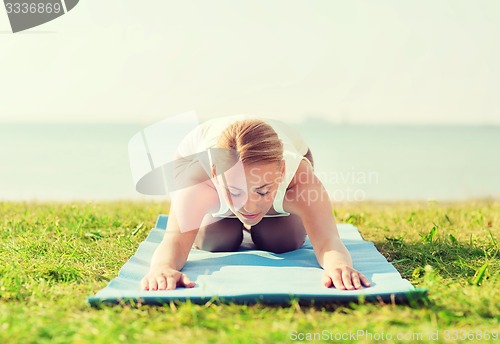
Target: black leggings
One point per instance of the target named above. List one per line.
(274, 234)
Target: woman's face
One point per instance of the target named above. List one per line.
(250, 189)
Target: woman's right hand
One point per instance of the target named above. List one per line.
(165, 279)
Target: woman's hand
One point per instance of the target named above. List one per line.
(165, 279)
(344, 277)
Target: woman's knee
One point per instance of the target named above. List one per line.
(221, 236)
(279, 235)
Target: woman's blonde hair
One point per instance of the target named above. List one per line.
(252, 141)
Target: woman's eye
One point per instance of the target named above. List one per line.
(234, 194)
(263, 193)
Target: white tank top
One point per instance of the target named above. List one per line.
(206, 135)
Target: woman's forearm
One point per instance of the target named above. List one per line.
(172, 251)
(334, 253)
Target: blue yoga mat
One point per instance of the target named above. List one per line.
(249, 275)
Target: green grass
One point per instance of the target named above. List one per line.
(53, 255)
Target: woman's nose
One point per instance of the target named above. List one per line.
(250, 207)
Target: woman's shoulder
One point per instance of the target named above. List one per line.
(303, 175)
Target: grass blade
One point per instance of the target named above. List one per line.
(480, 274)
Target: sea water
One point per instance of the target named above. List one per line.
(74, 161)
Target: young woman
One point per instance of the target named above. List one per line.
(239, 173)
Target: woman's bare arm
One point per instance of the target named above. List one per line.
(308, 198)
(185, 218)
(174, 249)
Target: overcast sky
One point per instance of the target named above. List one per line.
(421, 61)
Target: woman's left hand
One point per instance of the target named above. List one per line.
(344, 277)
